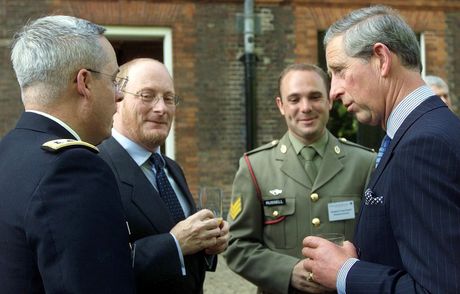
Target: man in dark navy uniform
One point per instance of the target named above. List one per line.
(61, 222)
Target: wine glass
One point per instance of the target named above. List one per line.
(211, 198)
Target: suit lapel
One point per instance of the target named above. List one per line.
(291, 165)
(426, 106)
(133, 182)
(330, 164)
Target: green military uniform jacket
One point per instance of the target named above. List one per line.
(266, 237)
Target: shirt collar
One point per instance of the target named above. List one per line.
(319, 145)
(138, 153)
(57, 120)
(405, 107)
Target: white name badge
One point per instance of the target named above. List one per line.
(341, 210)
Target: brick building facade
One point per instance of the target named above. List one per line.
(206, 48)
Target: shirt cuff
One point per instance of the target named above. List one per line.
(181, 257)
(342, 275)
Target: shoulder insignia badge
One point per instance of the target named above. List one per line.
(58, 145)
(235, 208)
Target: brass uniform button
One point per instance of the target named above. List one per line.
(314, 197)
(275, 213)
(316, 222)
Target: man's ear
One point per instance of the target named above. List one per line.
(279, 103)
(83, 82)
(384, 58)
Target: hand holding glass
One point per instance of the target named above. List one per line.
(335, 238)
(211, 198)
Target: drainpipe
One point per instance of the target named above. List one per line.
(249, 70)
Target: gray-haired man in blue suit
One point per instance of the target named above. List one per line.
(407, 236)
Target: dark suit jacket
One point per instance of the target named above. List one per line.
(61, 222)
(156, 263)
(408, 235)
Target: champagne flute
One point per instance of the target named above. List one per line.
(211, 198)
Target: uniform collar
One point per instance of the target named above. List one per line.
(57, 120)
(319, 145)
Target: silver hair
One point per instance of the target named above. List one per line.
(364, 27)
(48, 52)
(437, 82)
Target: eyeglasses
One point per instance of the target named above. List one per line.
(119, 83)
(149, 97)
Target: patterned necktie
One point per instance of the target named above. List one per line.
(308, 153)
(385, 143)
(165, 189)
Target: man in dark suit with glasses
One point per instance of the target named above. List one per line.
(173, 244)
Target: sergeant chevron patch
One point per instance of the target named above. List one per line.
(235, 208)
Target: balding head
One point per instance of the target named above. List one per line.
(440, 88)
(145, 115)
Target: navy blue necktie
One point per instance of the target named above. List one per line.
(165, 189)
(385, 143)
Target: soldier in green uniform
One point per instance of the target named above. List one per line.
(307, 183)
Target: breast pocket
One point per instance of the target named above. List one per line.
(280, 225)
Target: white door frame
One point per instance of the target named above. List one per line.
(423, 53)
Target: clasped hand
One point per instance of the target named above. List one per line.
(201, 231)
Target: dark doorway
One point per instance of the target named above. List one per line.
(127, 50)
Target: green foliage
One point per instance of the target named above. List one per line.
(341, 123)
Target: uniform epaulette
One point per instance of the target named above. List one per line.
(59, 145)
(264, 147)
(345, 141)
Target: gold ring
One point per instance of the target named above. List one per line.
(310, 277)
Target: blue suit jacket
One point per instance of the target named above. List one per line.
(408, 234)
(61, 222)
(156, 262)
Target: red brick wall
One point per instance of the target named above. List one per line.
(452, 65)
(210, 120)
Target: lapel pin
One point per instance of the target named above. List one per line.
(283, 148)
(337, 149)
